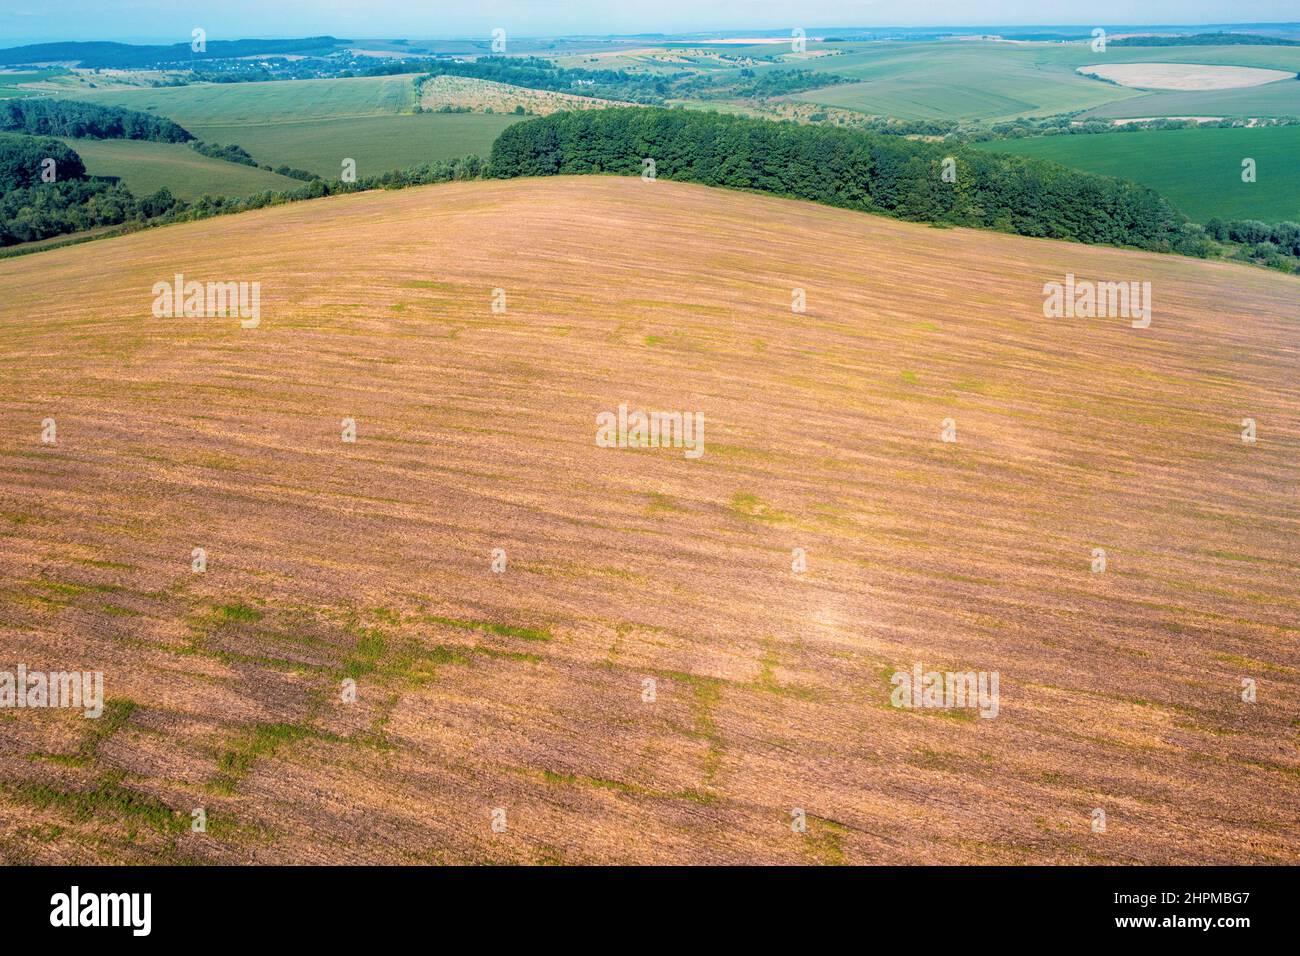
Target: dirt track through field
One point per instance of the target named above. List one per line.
(526, 690)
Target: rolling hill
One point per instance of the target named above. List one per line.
(646, 679)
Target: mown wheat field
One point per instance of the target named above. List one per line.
(525, 690)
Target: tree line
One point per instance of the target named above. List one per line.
(1276, 245)
(44, 192)
(648, 88)
(537, 73)
(42, 117)
(50, 209)
(24, 161)
(748, 84)
(920, 181)
(1205, 39)
(112, 55)
(234, 153)
(39, 200)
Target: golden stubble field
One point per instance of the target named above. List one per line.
(525, 690)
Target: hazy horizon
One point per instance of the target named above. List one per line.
(157, 21)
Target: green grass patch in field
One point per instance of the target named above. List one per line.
(751, 506)
(237, 612)
(1250, 664)
(258, 740)
(117, 712)
(118, 611)
(107, 799)
(502, 630)
(662, 504)
(370, 647)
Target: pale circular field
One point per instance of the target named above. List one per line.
(1184, 76)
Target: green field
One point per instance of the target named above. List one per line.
(377, 143)
(988, 80)
(265, 104)
(316, 124)
(10, 82)
(1198, 170)
(1273, 99)
(146, 167)
(959, 80)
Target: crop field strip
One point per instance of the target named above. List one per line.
(377, 143)
(1198, 170)
(998, 81)
(18, 83)
(523, 689)
(145, 167)
(1272, 100)
(266, 104)
(305, 124)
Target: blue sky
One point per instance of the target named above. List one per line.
(172, 20)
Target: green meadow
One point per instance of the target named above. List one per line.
(958, 80)
(1272, 99)
(1198, 170)
(10, 83)
(265, 104)
(377, 143)
(316, 124)
(146, 167)
(992, 80)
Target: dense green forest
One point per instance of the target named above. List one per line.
(32, 208)
(1276, 245)
(1206, 39)
(853, 169)
(23, 160)
(36, 203)
(124, 56)
(43, 117)
(1284, 235)
(52, 209)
